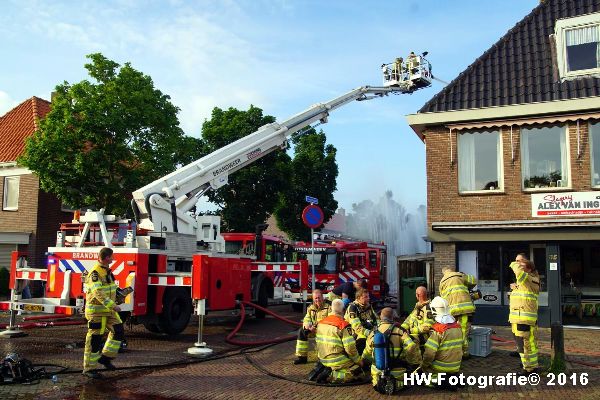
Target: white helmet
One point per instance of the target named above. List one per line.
(440, 306)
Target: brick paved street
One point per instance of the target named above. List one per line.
(260, 374)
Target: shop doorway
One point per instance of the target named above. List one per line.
(580, 283)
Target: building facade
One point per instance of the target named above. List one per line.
(513, 164)
(29, 217)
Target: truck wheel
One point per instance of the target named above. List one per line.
(262, 300)
(177, 310)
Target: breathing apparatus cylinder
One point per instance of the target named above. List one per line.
(380, 351)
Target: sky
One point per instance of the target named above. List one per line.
(279, 55)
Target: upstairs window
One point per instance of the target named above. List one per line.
(11, 193)
(595, 153)
(544, 158)
(479, 161)
(578, 45)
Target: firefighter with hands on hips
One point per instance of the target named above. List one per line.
(318, 310)
(454, 287)
(102, 313)
(401, 353)
(443, 349)
(418, 323)
(524, 311)
(336, 347)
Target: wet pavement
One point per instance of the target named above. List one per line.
(158, 367)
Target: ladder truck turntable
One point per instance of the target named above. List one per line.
(174, 260)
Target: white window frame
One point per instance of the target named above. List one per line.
(5, 205)
(500, 162)
(560, 29)
(564, 186)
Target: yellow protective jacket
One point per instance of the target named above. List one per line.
(419, 321)
(444, 349)
(524, 298)
(363, 319)
(336, 347)
(454, 287)
(314, 314)
(101, 292)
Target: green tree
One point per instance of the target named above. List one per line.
(313, 172)
(252, 192)
(104, 139)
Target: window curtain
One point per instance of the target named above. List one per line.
(466, 162)
(564, 160)
(499, 165)
(525, 174)
(588, 34)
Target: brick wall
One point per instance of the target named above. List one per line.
(24, 219)
(445, 204)
(50, 217)
(444, 256)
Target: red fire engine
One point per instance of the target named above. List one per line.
(337, 261)
(170, 256)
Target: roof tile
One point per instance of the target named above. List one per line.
(18, 124)
(518, 68)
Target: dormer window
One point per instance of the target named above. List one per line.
(578, 46)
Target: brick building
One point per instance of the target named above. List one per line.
(513, 163)
(29, 217)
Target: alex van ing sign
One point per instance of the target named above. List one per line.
(565, 204)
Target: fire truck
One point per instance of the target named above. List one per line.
(336, 261)
(170, 256)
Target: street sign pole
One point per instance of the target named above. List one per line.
(312, 250)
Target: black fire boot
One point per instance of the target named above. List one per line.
(107, 362)
(93, 374)
(300, 360)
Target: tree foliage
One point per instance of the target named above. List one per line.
(106, 138)
(252, 192)
(313, 172)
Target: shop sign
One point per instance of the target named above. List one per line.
(489, 291)
(565, 204)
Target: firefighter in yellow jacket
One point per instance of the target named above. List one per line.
(419, 321)
(524, 311)
(101, 311)
(443, 350)
(318, 310)
(403, 352)
(454, 287)
(362, 318)
(336, 347)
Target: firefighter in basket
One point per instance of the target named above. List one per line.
(362, 318)
(419, 321)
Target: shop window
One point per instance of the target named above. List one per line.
(483, 261)
(544, 158)
(578, 45)
(11, 193)
(479, 161)
(595, 153)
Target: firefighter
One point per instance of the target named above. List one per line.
(362, 318)
(403, 352)
(336, 347)
(443, 350)
(102, 314)
(523, 311)
(318, 310)
(419, 321)
(347, 290)
(454, 287)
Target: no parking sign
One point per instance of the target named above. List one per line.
(313, 216)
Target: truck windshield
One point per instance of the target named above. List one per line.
(325, 260)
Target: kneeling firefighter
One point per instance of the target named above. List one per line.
(443, 350)
(339, 361)
(102, 313)
(391, 351)
(318, 310)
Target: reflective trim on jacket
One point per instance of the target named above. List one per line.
(524, 298)
(454, 287)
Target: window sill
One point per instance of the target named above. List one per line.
(482, 192)
(548, 189)
(10, 209)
